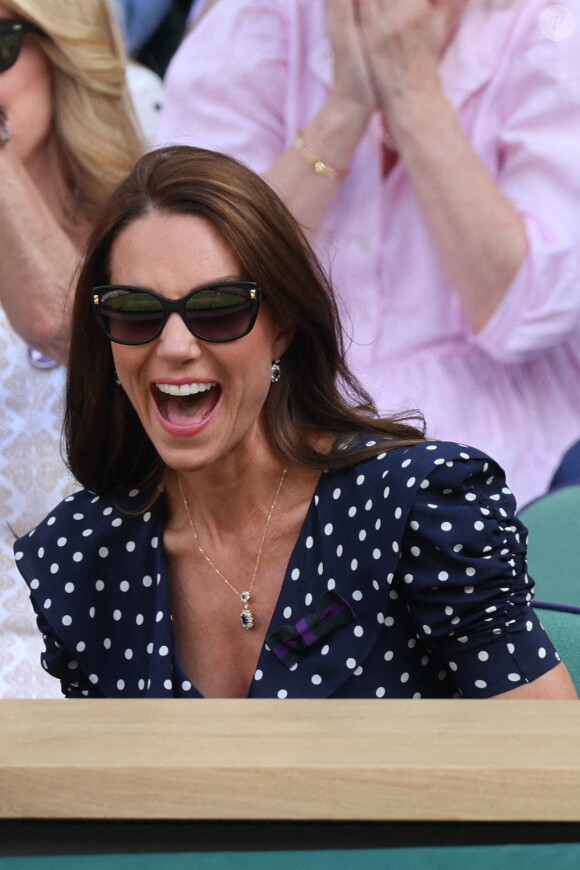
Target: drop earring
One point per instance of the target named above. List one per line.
(276, 371)
(117, 379)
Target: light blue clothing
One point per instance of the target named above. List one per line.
(196, 9)
(140, 20)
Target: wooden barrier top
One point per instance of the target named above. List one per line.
(290, 760)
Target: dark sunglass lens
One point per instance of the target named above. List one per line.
(9, 48)
(133, 318)
(221, 313)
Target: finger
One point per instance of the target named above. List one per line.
(392, 15)
(343, 30)
(448, 12)
(341, 15)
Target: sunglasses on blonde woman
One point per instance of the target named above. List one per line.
(219, 312)
(12, 32)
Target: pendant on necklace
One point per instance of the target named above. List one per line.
(246, 616)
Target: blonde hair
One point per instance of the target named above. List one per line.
(95, 139)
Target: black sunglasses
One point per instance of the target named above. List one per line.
(12, 31)
(219, 312)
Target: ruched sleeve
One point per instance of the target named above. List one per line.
(59, 662)
(463, 576)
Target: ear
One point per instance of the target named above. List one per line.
(283, 338)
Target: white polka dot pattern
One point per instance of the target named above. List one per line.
(434, 576)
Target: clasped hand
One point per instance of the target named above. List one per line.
(384, 49)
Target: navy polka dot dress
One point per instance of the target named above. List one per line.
(408, 580)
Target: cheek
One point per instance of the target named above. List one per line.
(26, 93)
(257, 384)
(118, 356)
(129, 362)
(40, 94)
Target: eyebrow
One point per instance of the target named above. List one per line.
(220, 280)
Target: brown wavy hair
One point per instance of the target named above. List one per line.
(317, 395)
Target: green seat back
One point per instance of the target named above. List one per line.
(553, 523)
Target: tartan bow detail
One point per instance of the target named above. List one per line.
(290, 643)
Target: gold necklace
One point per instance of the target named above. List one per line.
(246, 616)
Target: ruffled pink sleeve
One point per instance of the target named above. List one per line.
(538, 95)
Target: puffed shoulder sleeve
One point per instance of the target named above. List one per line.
(36, 556)
(464, 577)
(58, 661)
(97, 576)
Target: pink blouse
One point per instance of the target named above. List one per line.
(253, 72)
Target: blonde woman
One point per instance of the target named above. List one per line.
(67, 137)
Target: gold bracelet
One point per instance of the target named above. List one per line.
(318, 165)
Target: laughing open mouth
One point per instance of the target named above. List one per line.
(184, 404)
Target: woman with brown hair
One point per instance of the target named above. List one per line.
(249, 525)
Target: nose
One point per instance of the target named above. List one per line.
(176, 342)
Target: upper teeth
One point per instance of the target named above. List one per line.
(185, 389)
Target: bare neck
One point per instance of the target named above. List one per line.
(225, 497)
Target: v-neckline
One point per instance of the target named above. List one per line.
(277, 612)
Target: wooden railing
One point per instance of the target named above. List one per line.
(290, 760)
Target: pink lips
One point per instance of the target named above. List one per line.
(185, 408)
